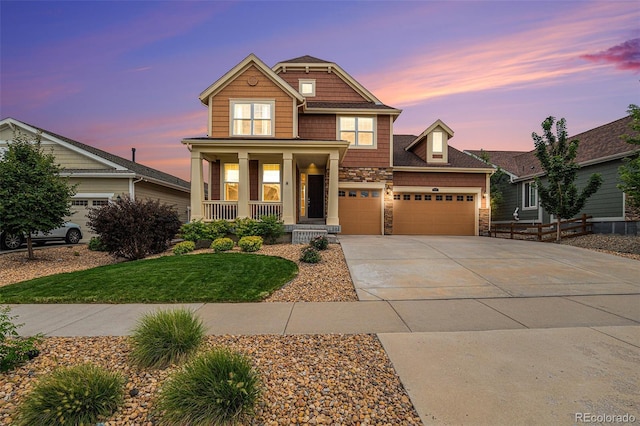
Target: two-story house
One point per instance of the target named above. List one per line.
(305, 141)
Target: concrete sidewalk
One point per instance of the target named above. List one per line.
(345, 317)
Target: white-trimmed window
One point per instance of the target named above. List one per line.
(529, 195)
(252, 118)
(271, 182)
(307, 87)
(231, 181)
(359, 131)
(437, 143)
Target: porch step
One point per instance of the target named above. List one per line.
(304, 236)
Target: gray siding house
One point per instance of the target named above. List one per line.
(601, 150)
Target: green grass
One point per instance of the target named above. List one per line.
(219, 277)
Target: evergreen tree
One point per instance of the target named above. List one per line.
(33, 195)
(560, 196)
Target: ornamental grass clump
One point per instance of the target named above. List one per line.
(219, 387)
(250, 244)
(166, 337)
(184, 247)
(222, 244)
(72, 396)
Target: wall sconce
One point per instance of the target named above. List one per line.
(484, 195)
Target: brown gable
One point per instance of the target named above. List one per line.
(329, 86)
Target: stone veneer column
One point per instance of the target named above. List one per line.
(332, 202)
(197, 185)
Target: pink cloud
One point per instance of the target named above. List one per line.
(625, 56)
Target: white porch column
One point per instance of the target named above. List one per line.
(332, 202)
(288, 205)
(197, 185)
(243, 185)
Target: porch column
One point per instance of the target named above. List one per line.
(332, 202)
(243, 185)
(197, 185)
(288, 205)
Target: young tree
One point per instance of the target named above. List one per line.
(33, 195)
(630, 171)
(560, 197)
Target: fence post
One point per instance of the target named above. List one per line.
(511, 233)
(539, 226)
(584, 223)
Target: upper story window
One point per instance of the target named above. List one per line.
(437, 143)
(307, 87)
(231, 180)
(359, 131)
(252, 118)
(529, 196)
(271, 182)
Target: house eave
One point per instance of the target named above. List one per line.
(443, 169)
(359, 111)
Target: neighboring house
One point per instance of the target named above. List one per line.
(102, 176)
(600, 150)
(307, 142)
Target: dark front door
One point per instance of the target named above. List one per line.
(316, 197)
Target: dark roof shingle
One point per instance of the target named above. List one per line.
(402, 158)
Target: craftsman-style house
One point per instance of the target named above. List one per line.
(305, 141)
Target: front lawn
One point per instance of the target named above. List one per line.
(220, 277)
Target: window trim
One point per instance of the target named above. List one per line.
(224, 180)
(527, 188)
(374, 131)
(307, 81)
(263, 182)
(234, 102)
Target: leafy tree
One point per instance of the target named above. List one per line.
(556, 155)
(497, 181)
(33, 195)
(630, 171)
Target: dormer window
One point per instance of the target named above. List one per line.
(307, 88)
(252, 118)
(437, 143)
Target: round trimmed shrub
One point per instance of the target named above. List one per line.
(222, 244)
(310, 255)
(250, 244)
(166, 337)
(71, 396)
(184, 247)
(319, 243)
(217, 387)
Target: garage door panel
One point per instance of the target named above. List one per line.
(360, 212)
(428, 214)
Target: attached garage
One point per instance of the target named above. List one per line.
(434, 214)
(80, 208)
(360, 211)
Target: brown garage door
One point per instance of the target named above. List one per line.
(360, 211)
(434, 214)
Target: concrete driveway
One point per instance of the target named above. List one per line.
(442, 267)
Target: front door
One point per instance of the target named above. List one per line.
(316, 197)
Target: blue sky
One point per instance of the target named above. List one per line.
(118, 75)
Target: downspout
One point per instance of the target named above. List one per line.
(132, 188)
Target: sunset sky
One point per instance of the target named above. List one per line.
(118, 75)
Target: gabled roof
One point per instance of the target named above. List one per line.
(113, 163)
(604, 143)
(243, 65)
(437, 123)
(307, 62)
(456, 159)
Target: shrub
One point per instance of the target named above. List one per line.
(184, 247)
(96, 244)
(222, 244)
(310, 255)
(250, 244)
(198, 230)
(246, 227)
(14, 350)
(166, 337)
(270, 228)
(134, 229)
(319, 243)
(217, 387)
(72, 396)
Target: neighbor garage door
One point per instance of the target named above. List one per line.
(360, 211)
(434, 214)
(79, 209)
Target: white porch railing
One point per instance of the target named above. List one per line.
(258, 209)
(228, 210)
(216, 210)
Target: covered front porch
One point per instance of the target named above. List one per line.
(296, 180)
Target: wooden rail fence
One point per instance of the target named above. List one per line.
(540, 231)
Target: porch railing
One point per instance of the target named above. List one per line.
(258, 209)
(228, 210)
